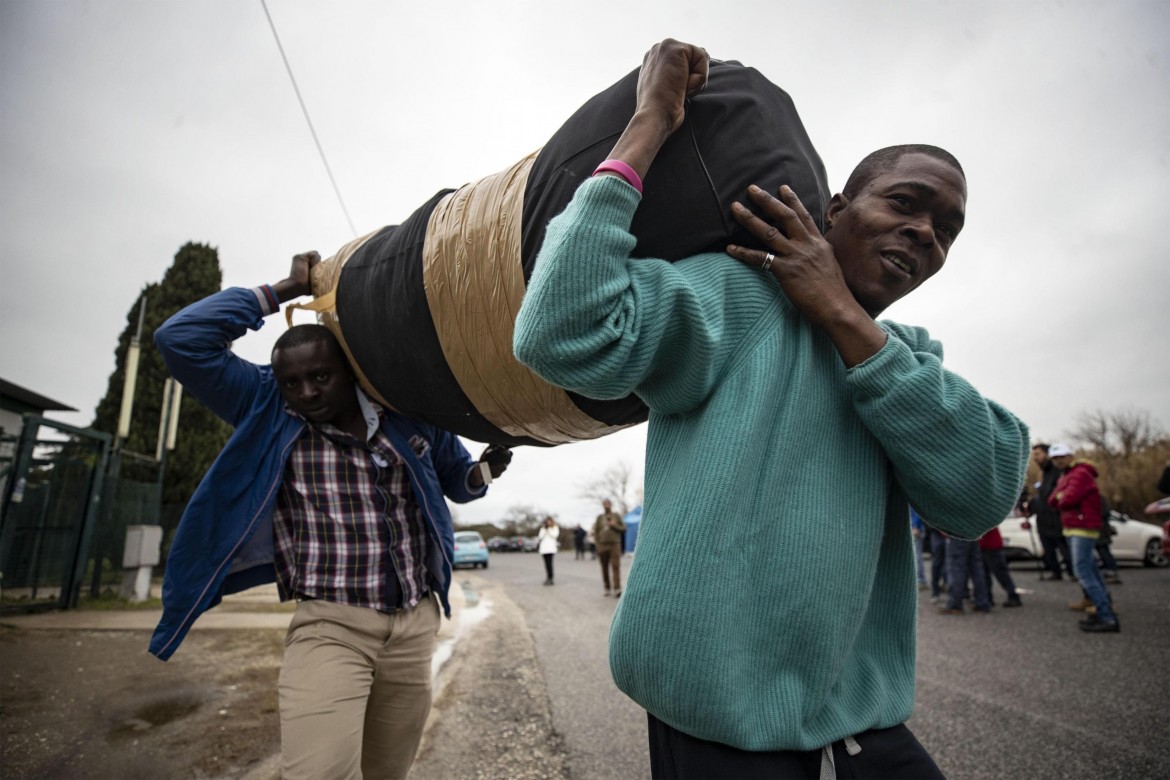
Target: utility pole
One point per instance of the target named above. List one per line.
(168, 428)
(143, 542)
(129, 381)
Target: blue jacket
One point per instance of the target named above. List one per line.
(224, 541)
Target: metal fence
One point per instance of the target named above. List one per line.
(52, 491)
(64, 515)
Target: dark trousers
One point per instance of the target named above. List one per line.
(1053, 545)
(996, 564)
(886, 754)
(964, 563)
(1108, 562)
(548, 562)
(938, 563)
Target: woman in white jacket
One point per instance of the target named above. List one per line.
(549, 537)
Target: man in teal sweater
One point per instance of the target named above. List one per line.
(768, 623)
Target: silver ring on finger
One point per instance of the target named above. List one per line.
(766, 266)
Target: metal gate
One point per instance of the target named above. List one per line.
(52, 492)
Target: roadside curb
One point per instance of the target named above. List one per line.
(256, 608)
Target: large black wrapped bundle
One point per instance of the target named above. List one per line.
(425, 308)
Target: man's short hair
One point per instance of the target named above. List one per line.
(307, 334)
(883, 159)
(1039, 446)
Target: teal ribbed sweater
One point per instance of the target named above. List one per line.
(772, 601)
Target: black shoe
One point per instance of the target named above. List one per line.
(1013, 601)
(1095, 626)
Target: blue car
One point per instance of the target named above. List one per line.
(470, 549)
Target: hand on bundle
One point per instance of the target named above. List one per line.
(297, 283)
(497, 457)
(671, 72)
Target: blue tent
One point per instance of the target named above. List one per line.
(632, 519)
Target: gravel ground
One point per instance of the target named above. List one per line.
(492, 721)
(94, 704)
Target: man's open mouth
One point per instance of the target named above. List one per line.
(899, 262)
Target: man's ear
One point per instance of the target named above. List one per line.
(836, 206)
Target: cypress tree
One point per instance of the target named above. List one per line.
(194, 274)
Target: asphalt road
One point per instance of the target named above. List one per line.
(1015, 694)
(603, 731)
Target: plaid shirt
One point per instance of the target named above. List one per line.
(347, 526)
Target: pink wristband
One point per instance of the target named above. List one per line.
(623, 170)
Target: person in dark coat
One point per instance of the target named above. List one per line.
(579, 534)
(1104, 539)
(1056, 552)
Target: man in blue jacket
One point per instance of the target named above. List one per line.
(338, 500)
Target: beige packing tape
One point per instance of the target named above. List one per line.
(474, 284)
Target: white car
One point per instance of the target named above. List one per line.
(1134, 540)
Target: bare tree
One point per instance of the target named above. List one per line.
(612, 483)
(522, 520)
(1093, 429)
(1129, 449)
(1117, 434)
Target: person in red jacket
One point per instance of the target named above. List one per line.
(1079, 500)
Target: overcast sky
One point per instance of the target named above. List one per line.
(130, 128)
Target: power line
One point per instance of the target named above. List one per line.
(305, 111)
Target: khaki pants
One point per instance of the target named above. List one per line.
(355, 690)
(610, 556)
